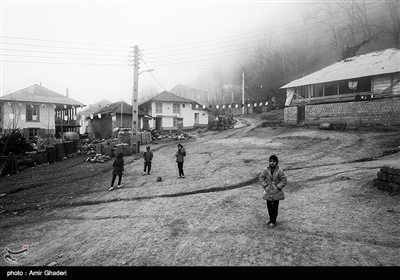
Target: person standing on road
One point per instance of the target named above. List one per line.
(147, 157)
(118, 169)
(273, 180)
(180, 154)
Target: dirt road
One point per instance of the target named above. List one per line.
(332, 214)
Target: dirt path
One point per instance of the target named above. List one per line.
(332, 215)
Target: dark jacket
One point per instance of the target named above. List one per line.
(118, 165)
(148, 155)
(273, 183)
(180, 155)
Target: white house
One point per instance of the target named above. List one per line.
(38, 111)
(167, 109)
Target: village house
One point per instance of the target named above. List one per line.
(87, 111)
(195, 94)
(104, 121)
(360, 90)
(38, 111)
(170, 112)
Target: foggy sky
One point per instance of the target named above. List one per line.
(85, 46)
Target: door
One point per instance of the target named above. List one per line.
(196, 119)
(158, 123)
(301, 114)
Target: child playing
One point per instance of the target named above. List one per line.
(273, 180)
(147, 156)
(180, 154)
(118, 170)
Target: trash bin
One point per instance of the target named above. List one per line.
(69, 147)
(60, 148)
(41, 156)
(51, 154)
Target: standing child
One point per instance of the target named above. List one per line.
(273, 180)
(147, 156)
(118, 170)
(180, 154)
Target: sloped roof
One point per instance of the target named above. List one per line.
(116, 108)
(91, 108)
(167, 96)
(39, 94)
(183, 87)
(370, 64)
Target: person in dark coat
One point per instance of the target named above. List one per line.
(180, 154)
(273, 180)
(118, 166)
(147, 157)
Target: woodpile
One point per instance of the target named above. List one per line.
(388, 179)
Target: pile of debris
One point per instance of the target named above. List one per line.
(182, 136)
(89, 149)
(98, 158)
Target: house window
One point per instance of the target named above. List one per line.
(175, 122)
(32, 113)
(175, 109)
(32, 132)
(158, 108)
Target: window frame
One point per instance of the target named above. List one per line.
(158, 107)
(30, 111)
(176, 108)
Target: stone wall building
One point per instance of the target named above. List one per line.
(361, 90)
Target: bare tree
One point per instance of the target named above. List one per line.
(392, 27)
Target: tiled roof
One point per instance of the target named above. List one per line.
(90, 109)
(39, 94)
(167, 96)
(370, 64)
(116, 108)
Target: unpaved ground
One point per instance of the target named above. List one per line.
(332, 214)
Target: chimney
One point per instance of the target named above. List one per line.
(67, 92)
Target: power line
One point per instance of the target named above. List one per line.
(58, 47)
(51, 57)
(68, 42)
(90, 54)
(43, 62)
(150, 72)
(297, 23)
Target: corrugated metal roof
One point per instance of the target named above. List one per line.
(370, 64)
(39, 94)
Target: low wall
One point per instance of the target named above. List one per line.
(388, 179)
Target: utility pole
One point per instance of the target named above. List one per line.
(242, 90)
(135, 99)
(122, 104)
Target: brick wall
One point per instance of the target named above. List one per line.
(366, 112)
(388, 179)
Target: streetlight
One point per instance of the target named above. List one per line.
(135, 109)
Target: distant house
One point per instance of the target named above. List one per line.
(364, 89)
(195, 94)
(87, 111)
(167, 109)
(38, 111)
(115, 115)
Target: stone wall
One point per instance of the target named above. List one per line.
(388, 179)
(290, 115)
(382, 111)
